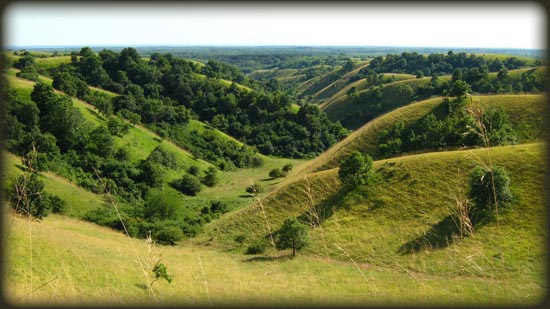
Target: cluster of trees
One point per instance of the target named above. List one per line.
(426, 65)
(165, 92)
(453, 129)
(60, 139)
(379, 98)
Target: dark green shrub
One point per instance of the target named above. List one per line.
(257, 247)
(55, 203)
(254, 188)
(276, 173)
(292, 235)
(356, 169)
(210, 178)
(188, 185)
(194, 170)
(482, 192)
(27, 196)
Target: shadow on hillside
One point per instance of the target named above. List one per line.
(95, 114)
(325, 209)
(269, 258)
(439, 236)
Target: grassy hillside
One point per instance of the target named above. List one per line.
(351, 114)
(141, 141)
(410, 201)
(526, 114)
(335, 86)
(360, 85)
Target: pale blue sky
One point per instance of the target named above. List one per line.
(520, 24)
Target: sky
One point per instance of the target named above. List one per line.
(521, 24)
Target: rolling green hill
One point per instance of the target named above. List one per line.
(410, 201)
(140, 142)
(526, 115)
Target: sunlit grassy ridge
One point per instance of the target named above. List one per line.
(526, 114)
(412, 197)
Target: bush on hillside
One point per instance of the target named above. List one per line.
(482, 192)
(356, 169)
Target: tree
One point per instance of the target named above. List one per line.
(292, 235)
(287, 168)
(276, 173)
(356, 169)
(188, 185)
(161, 204)
(210, 178)
(484, 184)
(27, 196)
(254, 188)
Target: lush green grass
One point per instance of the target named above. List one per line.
(352, 258)
(526, 114)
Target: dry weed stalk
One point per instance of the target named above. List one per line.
(476, 112)
(154, 270)
(259, 203)
(313, 212)
(460, 213)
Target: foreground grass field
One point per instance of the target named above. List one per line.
(77, 263)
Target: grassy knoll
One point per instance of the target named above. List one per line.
(526, 115)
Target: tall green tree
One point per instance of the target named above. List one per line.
(356, 169)
(292, 235)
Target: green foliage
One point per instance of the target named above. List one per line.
(194, 170)
(210, 178)
(287, 168)
(276, 173)
(27, 196)
(292, 235)
(356, 169)
(240, 239)
(160, 272)
(161, 156)
(161, 204)
(254, 188)
(117, 126)
(483, 186)
(188, 185)
(498, 127)
(258, 247)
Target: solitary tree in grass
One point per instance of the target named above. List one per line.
(356, 169)
(292, 235)
(484, 184)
